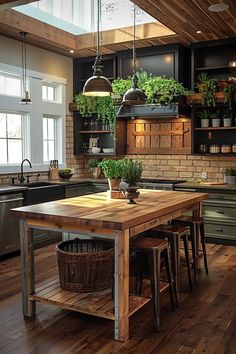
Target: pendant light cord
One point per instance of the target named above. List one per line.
(134, 51)
(23, 57)
(98, 26)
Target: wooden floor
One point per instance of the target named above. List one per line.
(205, 322)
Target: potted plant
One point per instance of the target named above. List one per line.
(207, 87)
(132, 171)
(230, 175)
(215, 118)
(94, 167)
(204, 115)
(227, 117)
(113, 171)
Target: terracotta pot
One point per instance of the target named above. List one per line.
(194, 98)
(114, 183)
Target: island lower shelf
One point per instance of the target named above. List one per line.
(98, 303)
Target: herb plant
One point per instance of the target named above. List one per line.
(132, 172)
(112, 168)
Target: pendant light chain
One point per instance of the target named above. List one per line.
(134, 49)
(98, 26)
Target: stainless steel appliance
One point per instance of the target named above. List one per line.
(9, 226)
(166, 184)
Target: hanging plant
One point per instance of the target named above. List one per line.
(86, 105)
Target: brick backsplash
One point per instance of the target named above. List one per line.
(155, 166)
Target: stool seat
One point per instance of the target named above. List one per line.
(189, 219)
(148, 243)
(170, 230)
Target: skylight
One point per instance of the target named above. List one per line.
(79, 16)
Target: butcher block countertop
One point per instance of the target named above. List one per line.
(99, 210)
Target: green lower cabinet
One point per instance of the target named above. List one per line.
(220, 231)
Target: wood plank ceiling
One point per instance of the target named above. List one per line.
(179, 22)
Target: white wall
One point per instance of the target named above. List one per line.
(40, 60)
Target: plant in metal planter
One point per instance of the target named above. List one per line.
(204, 115)
(215, 118)
(94, 167)
(227, 117)
(132, 171)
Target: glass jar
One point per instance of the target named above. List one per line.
(214, 149)
(226, 149)
(203, 148)
(234, 148)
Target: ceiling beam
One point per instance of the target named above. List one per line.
(11, 3)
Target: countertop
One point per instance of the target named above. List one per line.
(208, 186)
(5, 189)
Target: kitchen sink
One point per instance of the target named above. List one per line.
(34, 184)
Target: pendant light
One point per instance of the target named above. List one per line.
(134, 96)
(97, 85)
(25, 99)
(232, 68)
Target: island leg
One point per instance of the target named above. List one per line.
(121, 286)
(27, 268)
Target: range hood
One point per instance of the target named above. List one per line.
(153, 111)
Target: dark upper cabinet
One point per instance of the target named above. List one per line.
(169, 60)
(212, 57)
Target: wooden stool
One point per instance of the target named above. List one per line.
(175, 233)
(196, 226)
(154, 248)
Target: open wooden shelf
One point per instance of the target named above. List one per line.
(216, 128)
(98, 303)
(95, 131)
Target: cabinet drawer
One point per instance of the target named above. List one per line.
(219, 212)
(220, 231)
(222, 196)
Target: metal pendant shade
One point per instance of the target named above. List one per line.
(25, 99)
(134, 96)
(232, 68)
(97, 85)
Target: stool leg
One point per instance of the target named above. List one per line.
(185, 240)
(175, 265)
(193, 234)
(202, 235)
(139, 272)
(155, 269)
(169, 277)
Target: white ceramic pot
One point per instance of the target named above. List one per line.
(204, 123)
(227, 122)
(216, 122)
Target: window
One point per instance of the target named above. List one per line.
(10, 85)
(49, 138)
(11, 138)
(49, 93)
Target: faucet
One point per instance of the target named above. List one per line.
(22, 178)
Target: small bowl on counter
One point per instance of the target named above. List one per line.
(96, 150)
(108, 150)
(65, 174)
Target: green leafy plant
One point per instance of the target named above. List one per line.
(227, 113)
(132, 171)
(93, 163)
(207, 87)
(228, 91)
(204, 114)
(231, 171)
(159, 89)
(112, 168)
(215, 114)
(120, 86)
(104, 107)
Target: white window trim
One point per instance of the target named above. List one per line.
(35, 112)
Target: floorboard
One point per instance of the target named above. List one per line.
(205, 322)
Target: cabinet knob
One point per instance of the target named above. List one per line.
(220, 211)
(219, 230)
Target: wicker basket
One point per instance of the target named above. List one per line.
(85, 265)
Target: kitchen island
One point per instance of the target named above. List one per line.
(96, 215)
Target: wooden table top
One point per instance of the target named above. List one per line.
(98, 210)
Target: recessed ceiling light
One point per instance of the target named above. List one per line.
(72, 51)
(218, 7)
(198, 31)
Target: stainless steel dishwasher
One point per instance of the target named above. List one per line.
(9, 226)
